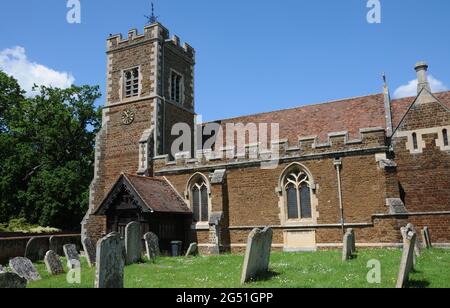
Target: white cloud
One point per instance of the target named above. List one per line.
(14, 62)
(410, 89)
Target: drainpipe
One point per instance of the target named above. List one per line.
(338, 165)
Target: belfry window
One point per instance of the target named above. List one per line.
(445, 137)
(200, 200)
(176, 88)
(297, 189)
(131, 82)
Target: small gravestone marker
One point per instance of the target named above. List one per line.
(53, 263)
(133, 244)
(89, 250)
(407, 262)
(426, 238)
(72, 255)
(257, 254)
(347, 247)
(24, 268)
(417, 249)
(36, 248)
(151, 245)
(12, 281)
(192, 250)
(110, 262)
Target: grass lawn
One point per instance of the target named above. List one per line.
(322, 269)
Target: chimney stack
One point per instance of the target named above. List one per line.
(422, 78)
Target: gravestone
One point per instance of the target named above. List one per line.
(57, 243)
(72, 255)
(407, 262)
(417, 249)
(89, 250)
(133, 245)
(53, 263)
(426, 238)
(1, 269)
(12, 281)
(36, 248)
(24, 268)
(347, 247)
(192, 250)
(151, 245)
(353, 238)
(110, 262)
(257, 254)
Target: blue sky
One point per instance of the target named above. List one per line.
(252, 55)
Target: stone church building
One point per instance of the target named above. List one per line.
(369, 163)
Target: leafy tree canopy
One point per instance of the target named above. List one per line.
(46, 153)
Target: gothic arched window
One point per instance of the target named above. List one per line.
(415, 143)
(199, 196)
(297, 189)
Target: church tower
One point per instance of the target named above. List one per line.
(150, 87)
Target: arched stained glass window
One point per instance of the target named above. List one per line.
(297, 188)
(199, 199)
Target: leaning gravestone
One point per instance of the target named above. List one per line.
(407, 262)
(36, 248)
(24, 268)
(427, 238)
(133, 246)
(417, 249)
(53, 263)
(89, 250)
(12, 281)
(151, 245)
(192, 250)
(347, 247)
(72, 255)
(110, 262)
(257, 254)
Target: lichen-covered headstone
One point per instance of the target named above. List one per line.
(151, 245)
(349, 245)
(12, 281)
(192, 250)
(24, 268)
(36, 248)
(417, 249)
(257, 254)
(133, 245)
(407, 262)
(72, 255)
(89, 250)
(53, 263)
(110, 262)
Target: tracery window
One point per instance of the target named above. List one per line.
(297, 189)
(199, 197)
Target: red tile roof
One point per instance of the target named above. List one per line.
(319, 120)
(158, 195)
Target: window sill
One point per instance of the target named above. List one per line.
(201, 226)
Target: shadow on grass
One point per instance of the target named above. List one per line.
(418, 284)
(266, 276)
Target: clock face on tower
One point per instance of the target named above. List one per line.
(128, 117)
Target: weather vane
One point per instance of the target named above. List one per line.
(152, 18)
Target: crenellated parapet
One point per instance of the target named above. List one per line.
(153, 32)
(338, 143)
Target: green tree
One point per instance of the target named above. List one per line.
(47, 165)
